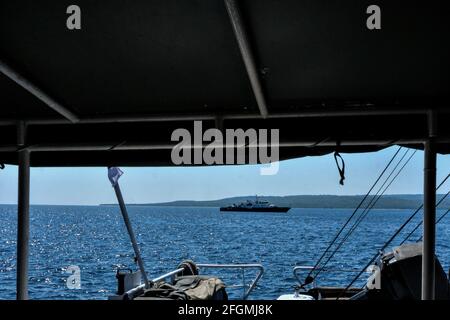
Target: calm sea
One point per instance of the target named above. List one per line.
(94, 238)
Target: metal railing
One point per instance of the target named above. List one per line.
(247, 288)
(132, 293)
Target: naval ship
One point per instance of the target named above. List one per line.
(255, 206)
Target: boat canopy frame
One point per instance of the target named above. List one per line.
(111, 93)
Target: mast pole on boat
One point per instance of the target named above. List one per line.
(429, 214)
(23, 215)
(126, 219)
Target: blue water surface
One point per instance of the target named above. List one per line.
(95, 239)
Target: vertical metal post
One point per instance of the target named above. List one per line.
(126, 219)
(429, 211)
(429, 222)
(23, 216)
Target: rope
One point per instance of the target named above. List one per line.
(341, 169)
(389, 241)
(309, 276)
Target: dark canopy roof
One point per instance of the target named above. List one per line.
(137, 70)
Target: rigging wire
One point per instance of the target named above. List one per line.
(373, 203)
(420, 223)
(371, 206)
(377, 196)
(390, 240)
(309, 277)
(439, 220)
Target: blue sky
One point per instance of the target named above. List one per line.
(310, 175)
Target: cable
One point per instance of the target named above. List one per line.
(377, 196)
(308, 277)
(420, 223)
(390, 240)
(372, 204)
(439, 220)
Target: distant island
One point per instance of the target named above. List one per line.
(398, 201)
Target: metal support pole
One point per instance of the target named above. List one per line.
(23, 217)
(242, 38)
(37, 92)
(126, 219)
(429, 222)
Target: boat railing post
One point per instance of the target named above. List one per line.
(429, 213)
(126, 219)
(23, 215)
